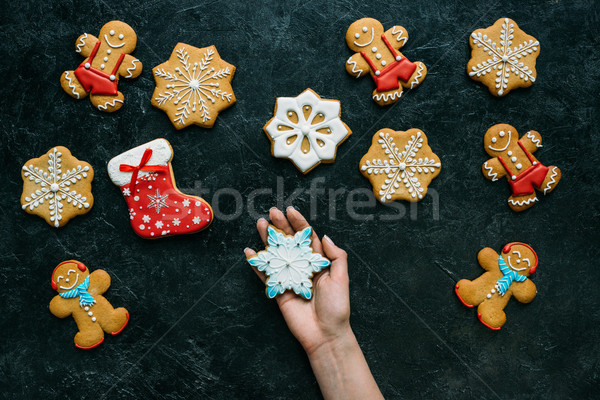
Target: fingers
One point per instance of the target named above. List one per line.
(338, 257)
(261, 226)
(280, 221)
(251, 253)
(298, 222)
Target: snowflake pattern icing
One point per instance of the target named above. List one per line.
(54, 186)
(158, 201)
(289, 262)
(199, 90)
(402, 168)
(505, 59)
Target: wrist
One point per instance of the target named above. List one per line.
(333, 345)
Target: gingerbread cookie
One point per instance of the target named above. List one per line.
(193, 86)
(506, 275)
(377, 52)
(108, 59)
(503, 57)
(57, 186)
(80, 295)
(156, 207)
(289, 262)
(306, 129)
(512, 157)
(400, 165)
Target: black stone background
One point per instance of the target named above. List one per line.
(201, 326)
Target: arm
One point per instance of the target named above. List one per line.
(488, 259)
(85, 44)
(397, 36)
(131, 67)
(493, 170)
(532, 141)
(357, 66)
(60, 307)
(524, 292)
(99, 282)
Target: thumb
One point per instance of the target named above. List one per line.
(338, 257)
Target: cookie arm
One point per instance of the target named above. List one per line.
(357, 66)
(532, 141)
(131, 67)
(488, 259)
(493, 170)
(397, 36)
(524, 291)
(85, 44)
(59, 307)
(99, 282)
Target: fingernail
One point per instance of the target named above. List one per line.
(291, 208)
(273, 208)
(246, 249)
(325, 237)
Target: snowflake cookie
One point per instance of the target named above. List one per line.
(400, 165)
(57, 186)
(306, 129)
(193, 86)
(503, 57)
(289, 262)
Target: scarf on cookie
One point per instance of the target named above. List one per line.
(85, 299)
(509, 276)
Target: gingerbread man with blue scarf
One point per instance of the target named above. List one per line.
(80, 295)
(506, 276)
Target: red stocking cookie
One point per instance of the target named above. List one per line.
(506, 276)
(156, 207)
(513, 158)
(107, 59)
(80, 295)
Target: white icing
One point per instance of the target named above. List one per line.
(383, 62)
(323, 146)
(374, 49)
(378, 56)
(102, 66)
(113, 45)
(552, 180)
(370, 41)
(519, 166)
(490, 172)
(399, 38)
(158, 201)
(109, 103)
(121, 36)
(67, 184)
(513, 159)
(518, 262)
(387, 96)
(522, 202)
(355, 69)
(507, 142)
(161, 155)
(105, 59)
(404, 168)
(111, 33)
(503, 58)
(509, 152)
(67, 280)
(71, 85)
(534, 140)
(417, 79)
(79, 46)
(132, 68)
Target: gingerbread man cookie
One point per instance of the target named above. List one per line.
(506, 276)
(377, 52)
(80, 295)
(513, 158)
(108, 59)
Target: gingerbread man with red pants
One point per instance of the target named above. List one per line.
(513, 158)
(107, 60)
(506, 275)
(80, 295)
(377, 52)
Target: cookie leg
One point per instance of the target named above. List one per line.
(491, 315)
(389, 97)
(107, 103)
(522, 203)
(551, 180)
(70, 84)
(115, 321)
(417, 77)
(469, 293)
(89, 337)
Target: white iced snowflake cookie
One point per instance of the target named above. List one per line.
(503, 57)
(400, 165)
(289, 262)
(193, 86)
(306, 129)
(57, 186)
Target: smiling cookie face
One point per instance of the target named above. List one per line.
(500, 140)
(364, 33)
(118, 37)
(68, 275)
(520, 258)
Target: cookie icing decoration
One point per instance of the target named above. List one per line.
(289, 262)
(193, 86)
(107, 59)
(57, 186)
(507, 275)
(513, 158)
(400, 165)
(503, 57)
(377, 52)
(156, 207)
(306, 129)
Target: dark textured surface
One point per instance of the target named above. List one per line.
(200, 325)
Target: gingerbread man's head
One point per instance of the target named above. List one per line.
(501, 140)
(520, 258)
(68, 275)
(117, 37)
(364, 34)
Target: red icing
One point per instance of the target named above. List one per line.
(388, 77)
(524, 182)
(123, 327)
(507, 248)
(94, 80)
(52, 283)
(81, 266)
(489, 326)
(460, 298)
(90, 347)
